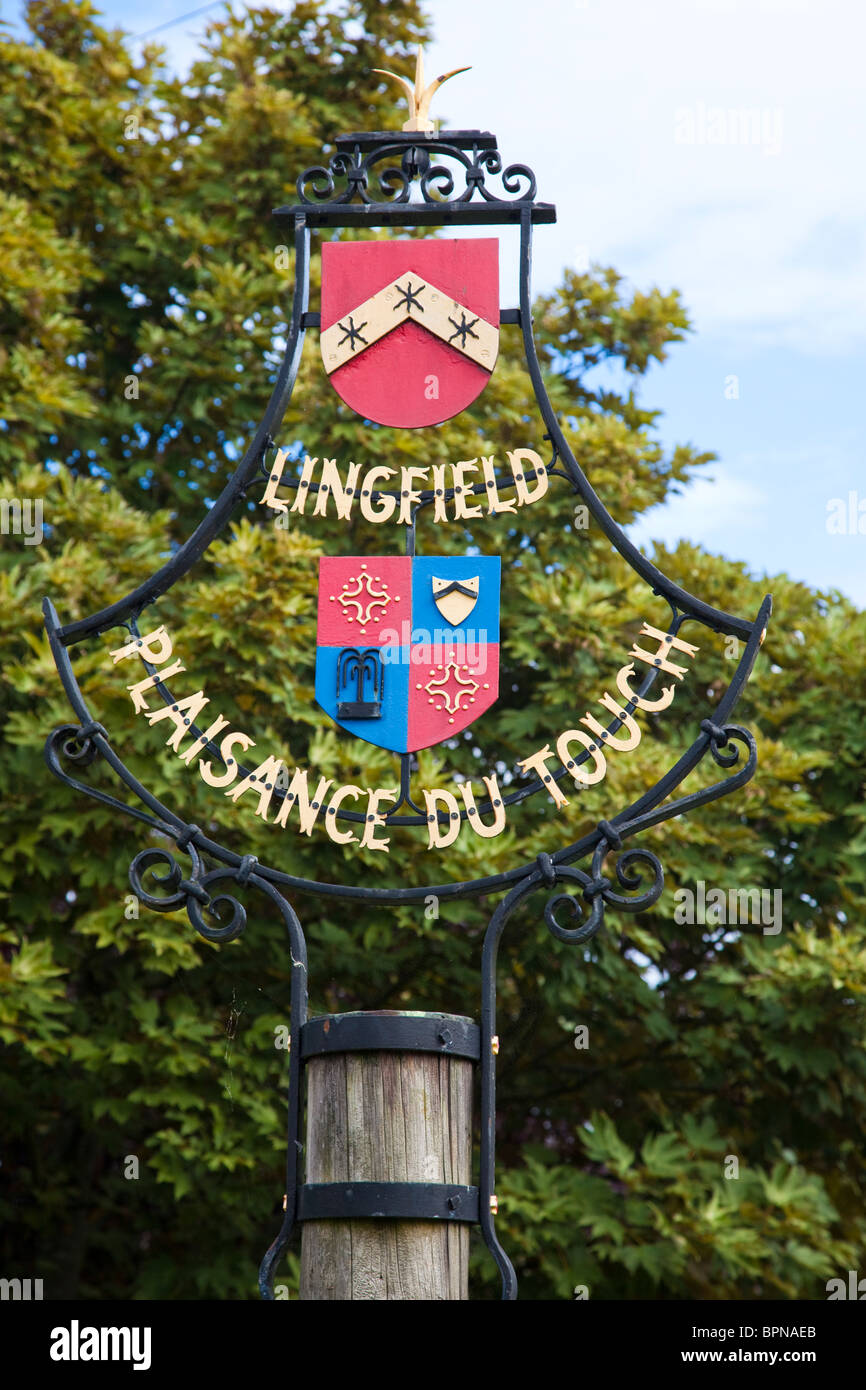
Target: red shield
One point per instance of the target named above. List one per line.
(410, 329)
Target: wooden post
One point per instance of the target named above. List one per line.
(387, 1116)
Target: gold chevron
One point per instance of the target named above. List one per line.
(409, 297)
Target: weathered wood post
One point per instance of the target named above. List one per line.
(387, 1197)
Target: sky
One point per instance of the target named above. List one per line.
(711, 146)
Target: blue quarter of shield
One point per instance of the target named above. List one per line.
(391, 729)
(485, 614)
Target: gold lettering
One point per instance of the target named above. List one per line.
(408, 496)
(624, 688)
(386, 505)
(136, 691)
(303, 489)
(666, 642)
(307, 811)
(461, 489)
(269, 497)
(538, 763)
(182, 714)
(375, 818)
(341, 837)
(439, 512)
(154, 647)
(331, 485)
(622, 745)
(227, 748)
(493, 792)
(437, 837)
(262, 779)
(198, 745)
(533, 471)
(581, 777)
(495, 502)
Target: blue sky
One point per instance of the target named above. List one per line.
(712, 146)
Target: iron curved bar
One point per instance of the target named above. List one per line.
(194, 895)
(712, 617)
(598, 892)
(298, 1006)
(487, 1157)
(393, 818)
(672, 779)
(657, 794)
(59, 740)
(172, 824)
(218, 515)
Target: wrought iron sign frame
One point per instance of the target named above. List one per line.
(386, 180)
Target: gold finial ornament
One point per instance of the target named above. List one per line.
(420, 96)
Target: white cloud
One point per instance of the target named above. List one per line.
(713, 506)
(590, 97)
(593, 96)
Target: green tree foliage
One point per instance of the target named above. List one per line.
(143, 296)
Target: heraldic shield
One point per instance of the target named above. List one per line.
(407, 646)
(410, 329)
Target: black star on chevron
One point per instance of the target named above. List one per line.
(463, 329)
(351, 332)
(410, 296)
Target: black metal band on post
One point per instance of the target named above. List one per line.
(396, 1201)
(384, 1032)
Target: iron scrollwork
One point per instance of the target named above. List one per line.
(370, 178)
(190, 893)
(598, 891)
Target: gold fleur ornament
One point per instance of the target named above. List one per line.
(420, 96)
(441, 686)
(364, 598)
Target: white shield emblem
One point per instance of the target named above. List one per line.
(455, 598)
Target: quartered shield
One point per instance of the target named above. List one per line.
(410, 329)
(407, 646)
